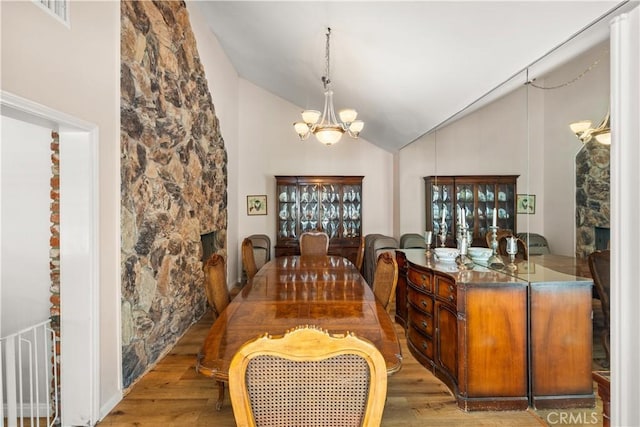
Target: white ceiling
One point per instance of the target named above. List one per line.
(405, 66)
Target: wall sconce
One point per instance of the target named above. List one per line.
(585, 132)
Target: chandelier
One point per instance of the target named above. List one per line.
(585, 132)
(325, 127)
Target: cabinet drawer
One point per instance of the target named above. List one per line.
(446, 289)
(421, 321)
(423, 344)
(421, 301)
(420, 279)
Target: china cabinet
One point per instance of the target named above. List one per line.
(479, 196)
(332, 204)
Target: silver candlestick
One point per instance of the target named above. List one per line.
(464, 263)
(428, 239)
(494, 260)
(443, 234)
(512, 250)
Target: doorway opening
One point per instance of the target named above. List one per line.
(78, 253)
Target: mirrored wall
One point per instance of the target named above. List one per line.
(522, 128)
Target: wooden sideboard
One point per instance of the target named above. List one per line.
(499, 341)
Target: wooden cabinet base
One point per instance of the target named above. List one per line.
(563, 402)
(469, 404)
(493, 403)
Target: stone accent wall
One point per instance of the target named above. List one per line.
(174, 180)
(592, 195)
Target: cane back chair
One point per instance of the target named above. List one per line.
(215, 279)
(385, 279)
(308, 378)
(248, 258)
(314, 243)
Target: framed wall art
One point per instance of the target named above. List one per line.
(257, 205)
(526, 204)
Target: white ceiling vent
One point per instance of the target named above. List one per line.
(57, 8)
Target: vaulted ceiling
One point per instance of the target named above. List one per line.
(405, 66)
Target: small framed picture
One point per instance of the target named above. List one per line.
(257, 205)
(526, 204)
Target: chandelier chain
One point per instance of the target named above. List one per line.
(570, 82)
(326, 79)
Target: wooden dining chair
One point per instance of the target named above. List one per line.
(248, 259)
(215, 279)
(360, 257)
(314, 243)
(385, 279)
(308, 377)
(261, 249)
(600, 267)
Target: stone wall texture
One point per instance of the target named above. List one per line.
(593, 180)
(174, 180)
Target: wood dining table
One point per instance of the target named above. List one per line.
(325, 291)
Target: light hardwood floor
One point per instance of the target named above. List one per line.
(173, 394)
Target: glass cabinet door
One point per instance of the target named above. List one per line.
(485, 208)
(505, 206)
(465, 198)
(351, 210)
(309, 206)
(442, 207)
(288, 211)
(330, 204)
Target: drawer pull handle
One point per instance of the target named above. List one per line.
(450, 298)
(424, 324)
(424, 345)
(424, 303)
(450, 288)
(424, 277)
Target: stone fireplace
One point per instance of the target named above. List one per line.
(592, 198)
(174, 181)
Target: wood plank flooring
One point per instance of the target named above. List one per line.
(173, 394)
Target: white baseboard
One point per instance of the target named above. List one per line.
(110, 404)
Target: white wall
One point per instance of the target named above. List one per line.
(76, 71)
(25, 199)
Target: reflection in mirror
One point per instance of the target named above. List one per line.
(522, 128)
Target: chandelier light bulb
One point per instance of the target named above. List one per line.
(356, 126)
(581, 126)
(311, 116)
(329, 135)
(302, 129)
(348, 115)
